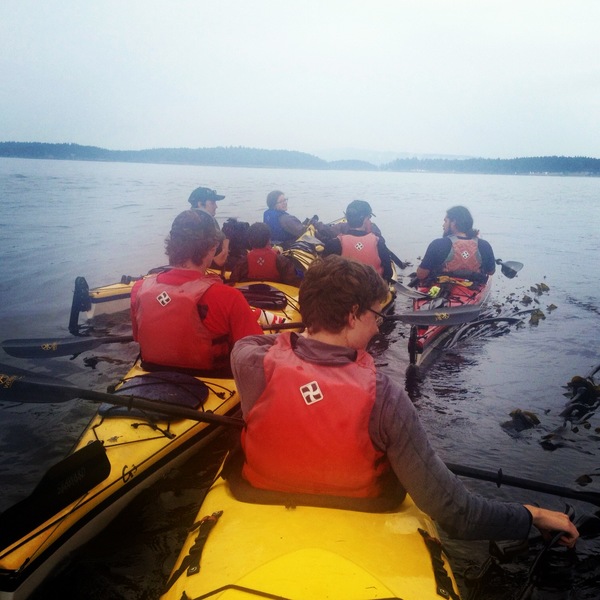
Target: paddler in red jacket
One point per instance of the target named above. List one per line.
(182, 317)
(361, 240)
(323, 421)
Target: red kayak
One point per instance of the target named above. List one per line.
(453, 301)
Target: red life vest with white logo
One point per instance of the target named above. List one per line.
(309, 430)
(170, 330)
(463, 256)
(262, 264)
(362, 248)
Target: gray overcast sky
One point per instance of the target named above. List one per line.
(489, 78)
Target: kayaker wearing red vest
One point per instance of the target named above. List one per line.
(459, 252)
(183, 318)
(322, 420)
(263, 263)
(362, 241)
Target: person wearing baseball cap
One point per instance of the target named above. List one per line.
(205, 199)
(362, 241)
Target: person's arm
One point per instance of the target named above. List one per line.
(422, 274)
(247, 367)
(434, 258)
(239, 271)
(488, 260)
(133, 308)
(221, 257)
(550, 522)
(396, 429)
(333, 246)
(385, 258)
(228, 313)
(291, 224)
(287, 270)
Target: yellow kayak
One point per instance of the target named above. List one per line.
(122, 450)
(246, 550)
(120, 453)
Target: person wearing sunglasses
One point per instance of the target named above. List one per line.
(324, 426)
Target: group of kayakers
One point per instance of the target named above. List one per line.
(321, 419)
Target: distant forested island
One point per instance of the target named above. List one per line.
(260, 158)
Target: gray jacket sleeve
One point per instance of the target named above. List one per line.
(396, 429)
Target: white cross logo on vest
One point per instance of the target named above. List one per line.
(260, 260)
(465, 254)
(359, 245)
(311, 392)
(163, 298)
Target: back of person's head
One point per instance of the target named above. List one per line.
(192, 235)
(259, 235)
(272, 198)
(462, 218)
(333, 287)
(356, 212)
(201, 194)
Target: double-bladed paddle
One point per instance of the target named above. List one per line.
(21, 386)
(50, 347)
(409, 292)
(64, 483)
(510, 268)
(446, 316)
(499, 478)
(68, 346)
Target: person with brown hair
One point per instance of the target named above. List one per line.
(460, 252)
(286, 228)
(182, 317)
(262, 263)
(322, 420)
(205, 200)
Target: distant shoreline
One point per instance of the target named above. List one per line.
(289, 159)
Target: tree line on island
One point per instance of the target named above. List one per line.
(290, 159)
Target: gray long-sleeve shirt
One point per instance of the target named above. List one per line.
(395, 428)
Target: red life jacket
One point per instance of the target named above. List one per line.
(463, 256)
(262, 264)
(170, 331)
(308, 431)
(362, 248)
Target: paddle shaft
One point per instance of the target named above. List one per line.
(53, 347)
(445, 316)
(537, 486)
(23, 388)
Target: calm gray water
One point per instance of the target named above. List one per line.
(60, 220)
